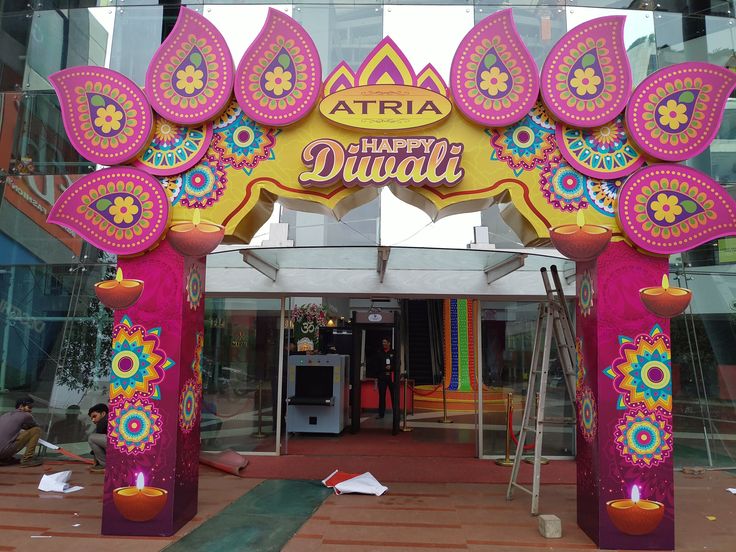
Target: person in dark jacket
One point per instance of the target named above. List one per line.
(98, 439)
(385, 366)
(18, 430)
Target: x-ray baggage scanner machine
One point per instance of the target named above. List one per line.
(317, 393)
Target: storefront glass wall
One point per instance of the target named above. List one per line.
(43, 302)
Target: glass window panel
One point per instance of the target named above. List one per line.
(15, 29)
(686, 7)
(137, 35)
(240, 374)
(66, 38)
(240, 24)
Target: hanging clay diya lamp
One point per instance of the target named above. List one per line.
(139, 503)
(119, 293)
(196, 238)
(665, 301)
(635, 516)
(580, 242)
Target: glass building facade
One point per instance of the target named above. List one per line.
(54, 334)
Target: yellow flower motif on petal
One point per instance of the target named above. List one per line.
(108, 118)
(585, 81)
(494, 81)
(278, 81)
(123, 210)
(666, 208)
(672, 114)
(189, 79)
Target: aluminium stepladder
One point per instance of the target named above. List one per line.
(553, 320)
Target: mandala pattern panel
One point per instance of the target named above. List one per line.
(197, 362)
(280, 75)
(586, 294)
(121, 210)
(198, 188)
(563, 187)
(669, 209)
(138, 363)
(241, 143)
(190, 78)
(587, 414)
(675, 113)
(603, 194)
(106, 115)
(174, 148)
(586, 78)
(493, 77)
(644, 439)
(524, 146)
(194, 288)
(135, 426)
(602, 152)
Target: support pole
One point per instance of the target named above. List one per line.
(506, 461)
(259, 434)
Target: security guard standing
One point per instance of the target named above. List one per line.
(386, 368)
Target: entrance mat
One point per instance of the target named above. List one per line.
(264, 519)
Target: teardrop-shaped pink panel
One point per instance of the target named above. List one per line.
(493, 77)
(668, 209)
(121, 210)
(106, 115)
(586, 78)
(675, 113)
(279, 78)
(190, 78)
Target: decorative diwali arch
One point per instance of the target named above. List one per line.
(203, 153)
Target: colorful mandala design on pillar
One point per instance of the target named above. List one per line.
(197, 362)
(585, 294)
(601, 152)
(675, 113)
(189, 405)
(120, 210)
(198, 188)
(642, 373)
(562, 186)
(280, 75)
(523, 146)
(668, 209)
(602, 195)
(242, 143)
(138, 363)
(106, 115)
(190, 78)
(581, 365)
(644, 438)
(587, 414)
(586, 78)
(174, 148)
(194, 287)
(135, 426)
(494, 78)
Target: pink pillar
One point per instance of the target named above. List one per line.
(624, 401)
(155, 397)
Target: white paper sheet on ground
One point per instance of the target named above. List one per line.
(364, 484)
(57, 483)
(731, 490)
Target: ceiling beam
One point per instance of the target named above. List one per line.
(264, 267)
(383, 255)
(497, 270)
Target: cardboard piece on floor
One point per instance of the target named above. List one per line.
(228, 461)
(57, 483)
(345, 483)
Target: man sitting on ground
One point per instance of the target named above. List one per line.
(98, 440)
(18, 429)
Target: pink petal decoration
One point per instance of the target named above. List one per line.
(493, 77)
(668, 209)
(675, 113)
(190, 78)
(430, 79)
(121, 210)
(386, 64)
(278, 79)
(174, 148)
(586, 78)
(106, 115)
(604, 152)
(341, 78)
